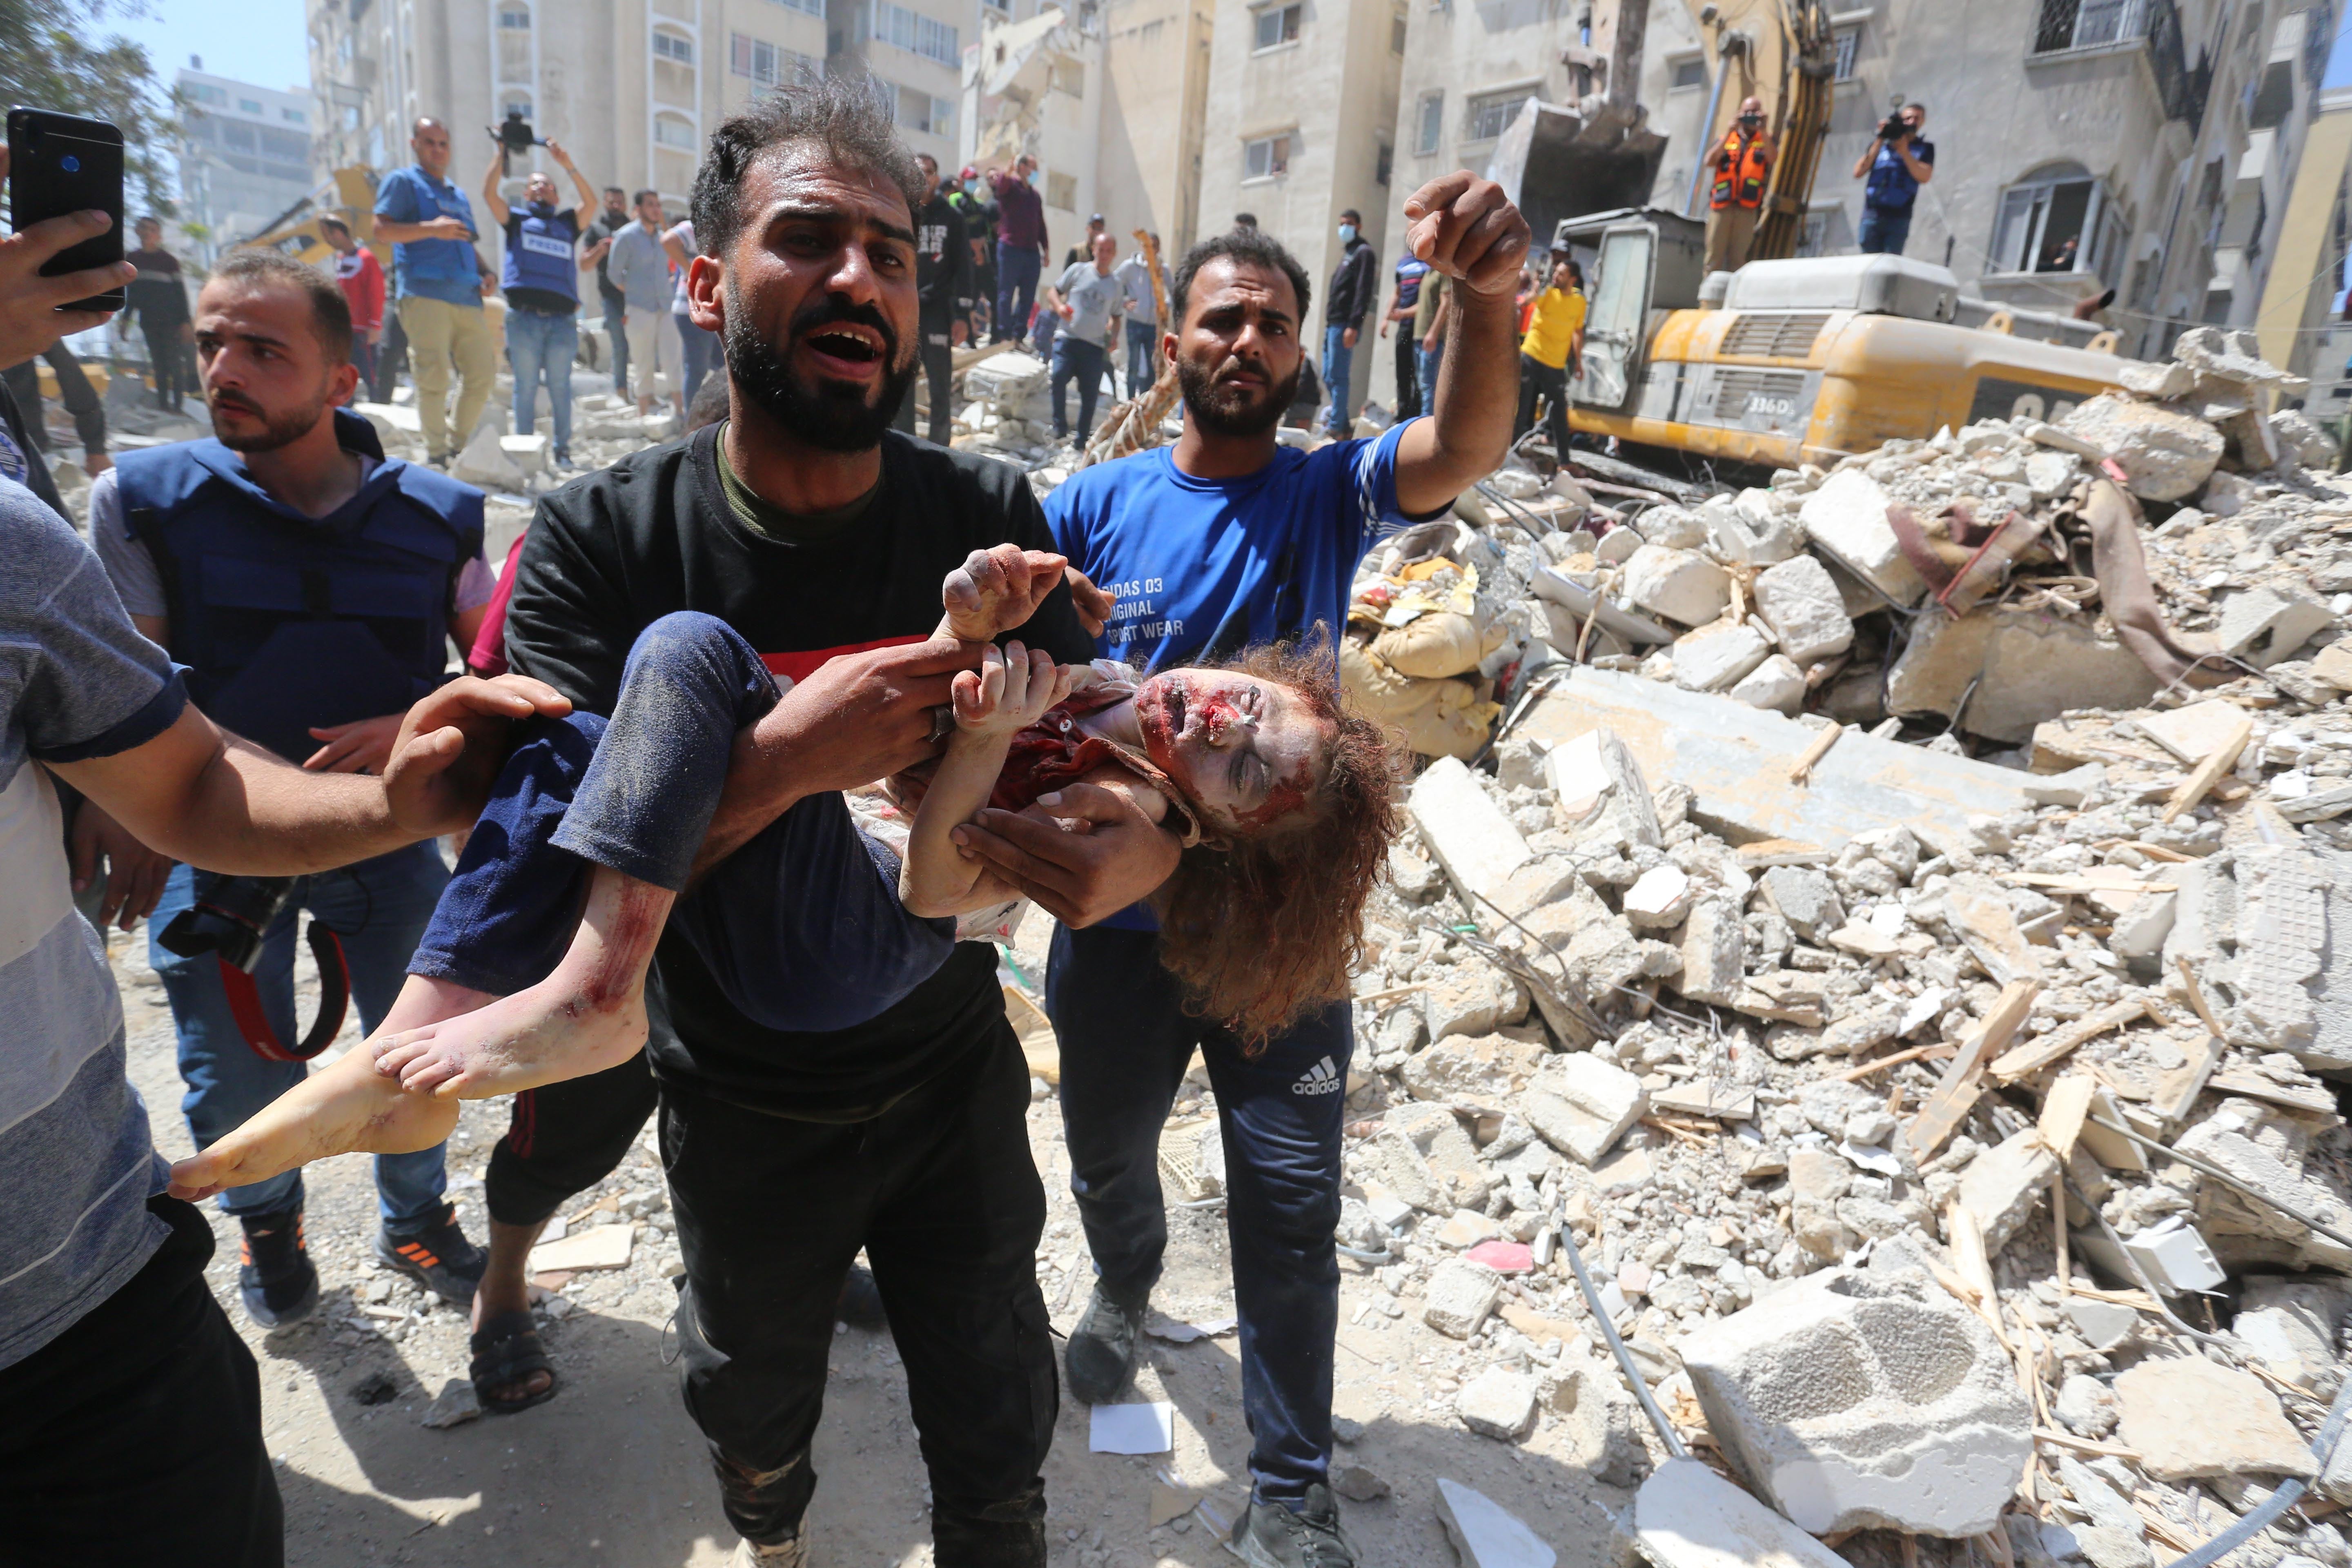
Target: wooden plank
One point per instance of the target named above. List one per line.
(1915, 1054)
(2036, 1054)
(2063, 1108)
(2208, 773)
(1956, 1092)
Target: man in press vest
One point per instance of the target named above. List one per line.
(436, 280)
(542, 282)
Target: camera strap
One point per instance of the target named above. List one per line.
(334, 1000)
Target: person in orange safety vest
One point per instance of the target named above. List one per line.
(1736, 200)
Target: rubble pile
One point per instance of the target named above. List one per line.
(1799, 1032)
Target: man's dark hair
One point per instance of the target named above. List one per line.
(331, 313)
(639, 199)
(616, 190)
(1915, 103)
(334, 223)
(843, 114)
(1246, 248)
(1351, 215)
(1245, 220)
(927, 162)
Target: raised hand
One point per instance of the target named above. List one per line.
(997, 589)
(1011, 690)
(1467, 228)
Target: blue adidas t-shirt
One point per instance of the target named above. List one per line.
(1202, 569)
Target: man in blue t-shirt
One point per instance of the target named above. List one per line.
(1898, 163)
(1226, 540)
(436, 279)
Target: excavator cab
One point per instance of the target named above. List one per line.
(1637, 261)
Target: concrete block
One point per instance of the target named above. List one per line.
(2262, 625)
(2165, 455)
(2139, 932)
(1581, 1105)
(1659, 898)
(2263, 1148)
(1716, 657)
(2071, 788)
(2038, 666)
(2333, 665)
(1461, 1295)
(1861, 1401)
(1678, 585)
(1806, 899)
(1486, 1535)
(2296, 1327)
(2190, 1419)
(1472, 997)
(2114, 1535)
(1390, 1159)
(1847, 518)
(1687, 1516)
(2051, 475)
(2159, 382)
(1599, 792)
(1805, 610)
(1940, 662)
(1499, 1403)
(2281, 934)
(484, 462)
(2002, 1185)
(1757, 535)
(1488, 1067)
(2303, 438)
(2084, 1406)
(1777, 685)
(1465, 828)
(1672, 527)
(1715, 952)
(1617, 546)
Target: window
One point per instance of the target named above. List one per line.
(1070, 77)
(914, 32)
(1396, 34)
(515, 17)
(2088, 23)
(807, 7)
(1062, 191)
(1430, 124)
(1383, 161)
(1690, 71)
(1849, 40)
(1491, 112)
(1277, 25)
(2057, 219)
(919, 111)
(674, 131)
(769, 65)
(248, 105)
(293, 117)
(669, 45)
(204, 94)
(1266, 157)
(1815, 233)
(516, 103)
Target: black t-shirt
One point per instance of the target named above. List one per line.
(155, 296)
(544, 302)
(605, 226)
(943, 256)
(609, 554)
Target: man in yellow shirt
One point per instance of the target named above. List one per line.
(1552, 352)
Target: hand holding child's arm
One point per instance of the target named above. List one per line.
(1011, 690)
(997, 590)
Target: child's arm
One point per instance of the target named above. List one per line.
(996, 591)
(1010, 690)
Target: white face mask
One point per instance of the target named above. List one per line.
(1346, 233)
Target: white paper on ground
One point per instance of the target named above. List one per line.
(1133, 1428)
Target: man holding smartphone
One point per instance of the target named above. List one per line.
(436, 279)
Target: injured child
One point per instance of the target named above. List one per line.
(533, 969)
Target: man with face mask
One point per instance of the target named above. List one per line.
(542, 282)
(822, 536)
(1223, 542)
(1355, 289)
(1735, 201)
(310, 584)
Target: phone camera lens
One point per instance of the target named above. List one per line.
(69, 163)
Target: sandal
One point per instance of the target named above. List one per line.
(507, 1349)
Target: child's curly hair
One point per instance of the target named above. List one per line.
(1264, 931)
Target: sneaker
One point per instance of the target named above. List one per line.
(1271, 1536)
(436, 1254)
(275, 1276)
(1101, 1356)
(792, 1553)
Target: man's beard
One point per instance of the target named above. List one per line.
(832, 417)
(277, 430)
(1218, 411)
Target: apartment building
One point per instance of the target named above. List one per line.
(2307, 276)
(1301, 125)
(244, 159)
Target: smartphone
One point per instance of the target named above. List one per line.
(57, 164)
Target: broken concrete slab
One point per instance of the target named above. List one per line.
(2190, 1419)
(1460, 1296)
(1687, 1516)
(1846, 517)
(1736, 761)
(1581, 1105)
(2263, 626)
(1472, 997)
(1717, 656)
(2165, 455)
(1599, 791)
(2038, 666)
(2263, 1148)
(1491, 1067)
(2002, 1185)
(1777, 685)
(1499, 1403)
(2114, 1536)
(1801, 604)
(2281, 932)
(1679, 585)
(1486, 1535)
(2292, 1325)
(1715, 952)
(1465, 829)
(1861, 1401)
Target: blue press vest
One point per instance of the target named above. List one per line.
(540, 256)
(288, 622)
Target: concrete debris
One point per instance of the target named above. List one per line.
(2188, 1418)
(1485, 1534)
(1805, 609)
(455, 1405)
(1581, 1105)
(1499, 1404)
(1687, 1516)
(1863, 1400)
(1461, 1295)
(2165, 454)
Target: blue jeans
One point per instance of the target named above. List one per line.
(617, 332)
(1884, 230)
(1016, 291)
(543, 346)
(1143, 354)
(1339, 360)
(1077, 359)
(1430, 359)
(379, 907)
(1126, 1041)
(701, 352)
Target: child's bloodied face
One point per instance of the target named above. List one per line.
(1244, 750)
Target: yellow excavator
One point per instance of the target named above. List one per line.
(1787, 359)
(296, 230)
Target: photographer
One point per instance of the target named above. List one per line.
(1736, 200)
(1898, 163)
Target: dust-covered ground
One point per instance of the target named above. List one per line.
(612, 1471)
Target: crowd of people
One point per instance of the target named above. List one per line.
(231, 702)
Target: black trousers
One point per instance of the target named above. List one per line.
(937, 354)
(74, 390)
(135, 1435)
(1549, 382)
(1408, 372)
(174, 363)
(391, 356)
(563, 1138)
(941, 1192)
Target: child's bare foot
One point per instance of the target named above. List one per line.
(588, 1016)
(997, 589)
(348, 1107)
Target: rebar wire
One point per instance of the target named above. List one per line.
(2207, 1168)
(1666, 1432)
